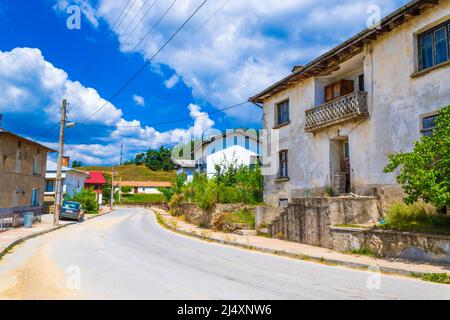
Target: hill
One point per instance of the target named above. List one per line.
(133, 173)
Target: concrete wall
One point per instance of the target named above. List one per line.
(308, 220)
(393, 244)
(396, 102)
(16, 176)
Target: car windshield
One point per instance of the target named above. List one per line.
(71, 205)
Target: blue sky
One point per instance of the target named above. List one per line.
(229, 51)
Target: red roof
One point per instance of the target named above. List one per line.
(95, 177)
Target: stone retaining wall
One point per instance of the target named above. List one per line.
(308, 220)
(203, 218)
(393, 244)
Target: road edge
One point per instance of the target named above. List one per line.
(37, 234)
(329, 262)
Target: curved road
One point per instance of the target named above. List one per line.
(127, 255)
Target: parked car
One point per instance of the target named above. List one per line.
(71, 210)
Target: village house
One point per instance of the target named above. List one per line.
(332, 123)
(95, 181)
(236, 147)
(72, 180)
(22, 172)
(144, 187)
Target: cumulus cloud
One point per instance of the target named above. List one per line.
(138, 100)
(233, 49)
(30, 84)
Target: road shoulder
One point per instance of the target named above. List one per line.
(299, 251)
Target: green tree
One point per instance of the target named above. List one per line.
(424, 173)
(77, 164)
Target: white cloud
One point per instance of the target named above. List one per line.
(172, 81)
(138, 100)
(33, 85)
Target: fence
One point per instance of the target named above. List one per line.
(13, 217)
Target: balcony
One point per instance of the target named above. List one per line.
(343, 109)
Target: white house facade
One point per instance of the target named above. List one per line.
(237, 147)
(72, 180)
(333, 122)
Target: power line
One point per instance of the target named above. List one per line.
(166, 122)
(136, 74)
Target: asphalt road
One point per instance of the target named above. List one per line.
(127, 255)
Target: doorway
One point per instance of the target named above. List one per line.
(340, 165)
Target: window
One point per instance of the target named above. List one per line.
(235, 140)
(19, 157)
(434, 46)
(283, 172)
(282, 116)
(35, 197)
(361, 83)
(247, 143)
(36, 166)
(346, 151)
(428, 125)
(49, 185)
(224, 143)
(283, 202)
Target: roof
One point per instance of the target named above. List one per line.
(52, 166)
(95, 177)
(148, 184)
(329, 62)
(184, 163)
(252, 134)
(16, 136)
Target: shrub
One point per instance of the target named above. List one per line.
(143, 198)
(436, 277)
(416, 217)
(88, 200)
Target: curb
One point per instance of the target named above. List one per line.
(331, 262)
(35, 235)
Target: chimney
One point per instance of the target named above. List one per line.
(65, 161)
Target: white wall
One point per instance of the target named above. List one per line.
(234, 155)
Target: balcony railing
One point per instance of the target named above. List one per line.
(343, 109)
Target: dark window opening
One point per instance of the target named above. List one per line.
(283, 172)
(282, 115)
(429, 125)
(434, 46)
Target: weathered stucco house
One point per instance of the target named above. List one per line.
(22, 171)
(333, 122)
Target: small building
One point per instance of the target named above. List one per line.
(95, 181)
(72, 180)
(235, 147)
(185, 166)
(22, 172)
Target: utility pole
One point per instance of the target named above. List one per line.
(112, 187)
(58, 191)
(121, 153)
(120, 190)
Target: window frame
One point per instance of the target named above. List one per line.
(278, 106)
(281, 161)
(423, 131)
(35, 196)
(446, 26)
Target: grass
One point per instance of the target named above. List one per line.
(133, 173)
(443, 278)
(242, 216)
(361, 252)
(418, 217)
(143, 198)
(345, 225)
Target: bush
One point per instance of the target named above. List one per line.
(88, 200)
(420, 217)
